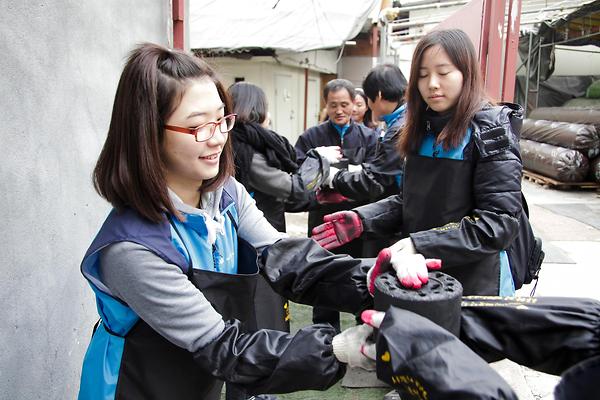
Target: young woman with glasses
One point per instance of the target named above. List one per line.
(174, 266)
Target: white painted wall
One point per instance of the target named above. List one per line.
(60, 64)
(355, 68)
(264, 72)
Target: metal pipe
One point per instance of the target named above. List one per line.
(571, 40)
(527, 72)
(430, 6)
(413, 22)
(539, 67)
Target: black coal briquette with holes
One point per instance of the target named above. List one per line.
(438, 300)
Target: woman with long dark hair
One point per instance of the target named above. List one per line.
(265, 162)
(461, 196)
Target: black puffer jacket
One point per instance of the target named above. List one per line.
(469, 248)
(379, 178)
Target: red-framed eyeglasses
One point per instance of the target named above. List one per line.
(206, 131)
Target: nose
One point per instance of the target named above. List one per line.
(434, 82)
(218, 138)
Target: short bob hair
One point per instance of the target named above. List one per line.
(336, 85)
(386, 79)
(249, 102)
(130, 171)
(461, 52)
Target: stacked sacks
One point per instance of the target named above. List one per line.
(559, 143)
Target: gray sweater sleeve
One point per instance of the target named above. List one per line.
(253, 226)
(161, 294)
(269, 180)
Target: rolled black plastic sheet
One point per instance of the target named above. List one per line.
(578, 115)
(595, 169)
(562, 164)
(564, 134)
(548, 334)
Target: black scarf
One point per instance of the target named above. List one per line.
(250, 137)
(434, 122)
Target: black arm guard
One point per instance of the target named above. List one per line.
(302, 271)
(270, 361)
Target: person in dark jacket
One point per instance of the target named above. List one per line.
(384, 89)
(174, 265)
(358, 146)
(461, 189)
(265, 162)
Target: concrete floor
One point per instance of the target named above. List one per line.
(569, 224)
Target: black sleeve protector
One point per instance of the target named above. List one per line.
(304, 272)
(548, 334)
(268, 361)
(424, 361)
(383, 218)
(377, 178)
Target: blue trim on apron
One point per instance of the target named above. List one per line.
(102, 361)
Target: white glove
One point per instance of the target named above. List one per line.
(348, 345)
(374, 319)
(410, 266)
(332, 154)
(329, 181)
(354, 167)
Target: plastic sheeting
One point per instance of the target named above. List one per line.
(564, 134)
(583, 102)
(576, 115)
(562, 164)
(299, 25)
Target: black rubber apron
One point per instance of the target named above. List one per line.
(437, 192)
(146, 353)
(232, 295)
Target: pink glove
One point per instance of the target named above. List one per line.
(411, 267)
(330, 197)
(339, 228)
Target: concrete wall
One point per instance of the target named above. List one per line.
(60, 65)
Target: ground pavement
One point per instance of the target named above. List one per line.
(569, 224)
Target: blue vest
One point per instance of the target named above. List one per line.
(179, 243)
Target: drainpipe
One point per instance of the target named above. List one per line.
(305, 96)
(178, 25)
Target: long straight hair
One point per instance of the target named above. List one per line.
(130, 171)
(249, 102)
(460, 49)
